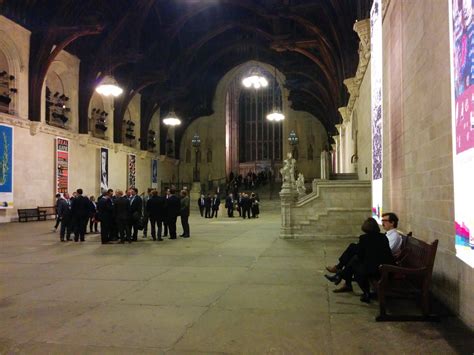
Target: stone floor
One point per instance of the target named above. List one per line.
(233, 287)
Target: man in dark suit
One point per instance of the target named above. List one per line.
(122, 216)
(64, 214)
(246, 205)
(156, 209)
(216, 201)
(207, 205)
(136, 205)
(229, 204)
(201, 204)
(173, 209)
(105, 210)
(80, 209)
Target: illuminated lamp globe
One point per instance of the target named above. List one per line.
(109, 87)
(255, 79)
(172, 119)
(275, 116)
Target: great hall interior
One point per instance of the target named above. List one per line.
(331, 111)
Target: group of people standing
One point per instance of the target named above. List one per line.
(122, 215)
(247, 206)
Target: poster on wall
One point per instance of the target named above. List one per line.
(376, 108)
(6, 166)
(462, 103)
(104, 169)
(154, 173)
(62, 165)
(131, 170)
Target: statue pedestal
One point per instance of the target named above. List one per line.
(195, 191)
(288, 196)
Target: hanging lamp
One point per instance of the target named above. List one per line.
(276, 115)
(109, 87)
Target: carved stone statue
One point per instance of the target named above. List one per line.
(288, 170)
(300, 188)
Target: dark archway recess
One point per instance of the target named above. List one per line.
(175, 52)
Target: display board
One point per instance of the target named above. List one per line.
(462, 93)
(62, 165)
(104, 169)
(131, 170)
(376, 108)
(6, 166)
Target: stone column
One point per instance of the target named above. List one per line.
(288, 197)
(195, 193)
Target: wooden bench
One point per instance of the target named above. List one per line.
(47, 210)
(24, 214)
(410, 277)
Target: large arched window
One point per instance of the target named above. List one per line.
(260, 139)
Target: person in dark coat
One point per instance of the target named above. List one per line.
(207, 205)
(373, 251)
(201, 204)
(215, 203)
(136, 205)
(80, 210)
(93, 220)
(64, 214)
(122, 216)
(184, 213)
(246, 205)
(105, 214)
(229, 205)
(156, 209)
(173, 209)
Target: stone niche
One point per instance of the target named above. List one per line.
(14, 56)
(101, 117)
(60, 93)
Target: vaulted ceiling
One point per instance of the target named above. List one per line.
(174, 52)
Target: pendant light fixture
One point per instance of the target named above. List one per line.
(276, 115)
(172, 119)
(109, 87)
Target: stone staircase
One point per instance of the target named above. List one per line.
(335, 208)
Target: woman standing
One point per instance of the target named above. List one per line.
(93, 215)
(184, 213)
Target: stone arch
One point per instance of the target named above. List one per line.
(15, 66)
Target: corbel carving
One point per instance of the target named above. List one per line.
(344, 111)
(362, 28)
(34, 127)
(83, 139)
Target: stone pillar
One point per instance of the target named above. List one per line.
(288, 197)
(195, 191)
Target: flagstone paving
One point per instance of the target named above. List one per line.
(233, 287)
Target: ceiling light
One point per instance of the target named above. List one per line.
(276, 116)
(255, 79)
(172, 119)
(109, 87)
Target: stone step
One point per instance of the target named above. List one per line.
(344, 176)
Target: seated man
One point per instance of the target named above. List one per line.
(389, 223)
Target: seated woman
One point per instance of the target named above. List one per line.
(373, 250)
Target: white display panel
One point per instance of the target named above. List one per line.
(376, 108)
(462, 99)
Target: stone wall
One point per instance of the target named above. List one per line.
(212, 131)
(34, 165)
(418, 180)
